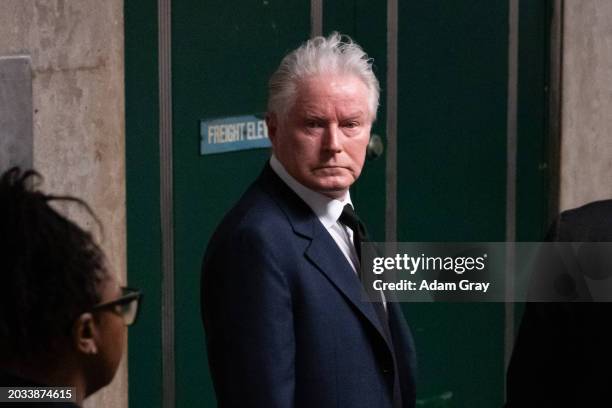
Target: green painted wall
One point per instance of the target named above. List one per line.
(533, 171)
(143, 211)
(452, 74)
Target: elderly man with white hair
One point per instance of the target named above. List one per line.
(282, 304)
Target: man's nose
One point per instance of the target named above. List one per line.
(331, 139)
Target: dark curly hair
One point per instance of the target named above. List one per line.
(50, 268)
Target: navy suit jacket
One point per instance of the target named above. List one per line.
(285, 322)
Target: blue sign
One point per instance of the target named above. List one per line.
(232, 133)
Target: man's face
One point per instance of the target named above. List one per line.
(322, 142)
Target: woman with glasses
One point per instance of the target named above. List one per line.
(63, 315)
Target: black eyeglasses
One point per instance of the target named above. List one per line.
(125, 306)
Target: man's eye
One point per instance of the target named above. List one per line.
(350, 125)
(313, 124)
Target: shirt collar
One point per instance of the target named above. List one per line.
(327, 209)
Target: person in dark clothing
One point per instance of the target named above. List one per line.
(63, 315)
(281, 300)
(563, 352)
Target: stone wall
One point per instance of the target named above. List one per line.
(586, 127)
(76, 50)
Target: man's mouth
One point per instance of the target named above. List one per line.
(329, 167)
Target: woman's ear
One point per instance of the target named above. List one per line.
(85, 334)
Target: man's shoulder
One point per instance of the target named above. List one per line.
(255, 209)
(258, 224)
(590, 222)
(594, 210)
(268, 206)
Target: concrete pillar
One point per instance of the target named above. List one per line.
(586, 127)
(76, 50)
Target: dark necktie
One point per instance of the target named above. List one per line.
(350, 219)
(360, 234)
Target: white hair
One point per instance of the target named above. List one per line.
(336, 54)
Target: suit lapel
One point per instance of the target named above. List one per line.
(323, 251)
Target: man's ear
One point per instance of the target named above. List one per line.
(272, 124)
(85, 334)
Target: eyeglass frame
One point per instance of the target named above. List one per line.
(128, 295)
